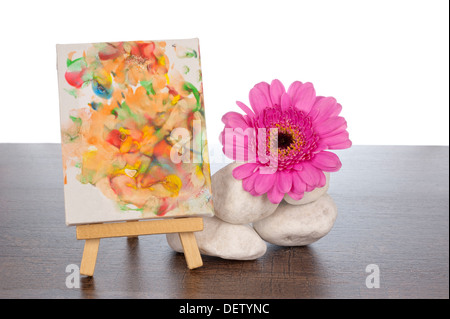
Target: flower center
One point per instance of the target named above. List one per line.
(284, 140)
(295, 137)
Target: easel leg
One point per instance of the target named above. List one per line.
(185, 227)
(89, 257)
(190, 248)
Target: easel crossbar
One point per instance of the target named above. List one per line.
(138, 228)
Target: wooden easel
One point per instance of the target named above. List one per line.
(185, 227)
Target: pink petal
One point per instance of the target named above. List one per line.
(296, 196)
(246, 109)
(323, 179)
(236, 144)
(265, 89)
(323, 108)
(320, 146)
(248, 183)
(338, 139)
(330, 127)
(244, 153)
(344, 145)
(285, 182)
(276, 91)
(274, 195)
(267, 169)
(298, 185)
(312, 174)
(234, 119)
(264, 182)
(305, 97)
(248, 120)
(308, 175)
(285, 101)
(245, 170)
(258, 100)
(336, 111)
(326, 161)
(239, 154)
(293, 88)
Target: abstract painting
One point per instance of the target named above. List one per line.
(133, 131)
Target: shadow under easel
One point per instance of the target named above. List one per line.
(133, 277)
(87, 287)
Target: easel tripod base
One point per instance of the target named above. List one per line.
(185, 227)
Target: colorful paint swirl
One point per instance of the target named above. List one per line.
(121, 138)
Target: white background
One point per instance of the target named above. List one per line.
(386, 62)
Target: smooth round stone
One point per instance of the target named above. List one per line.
(224, 240)
(310, 196)
(235, 205)
(298, 225)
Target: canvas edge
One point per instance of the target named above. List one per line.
(69, 222)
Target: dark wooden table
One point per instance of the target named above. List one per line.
(393, 204)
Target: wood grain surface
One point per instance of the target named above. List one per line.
(393, 211)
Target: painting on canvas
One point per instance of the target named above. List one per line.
(133, 131)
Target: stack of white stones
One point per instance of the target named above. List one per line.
(244, 223)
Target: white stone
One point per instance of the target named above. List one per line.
(298, 225)
(310, 196)
(224, 240)
(235, 205)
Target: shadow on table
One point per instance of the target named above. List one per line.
(297, 272)
(87, 285)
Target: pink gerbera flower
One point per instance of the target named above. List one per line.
(301, 126)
